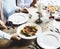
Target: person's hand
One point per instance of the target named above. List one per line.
(24, 10)
(3, 24)
(17, 11)
(15, 37)
(33, 3)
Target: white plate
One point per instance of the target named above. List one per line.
(18, 18)
(49, 40)
(28, 24)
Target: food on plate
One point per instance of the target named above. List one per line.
(29, 30)
(51, 8)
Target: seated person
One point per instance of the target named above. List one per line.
(9, 7)
(26, 3)
(33, 3)
(3, 34)
(7, 36)
(23, 4)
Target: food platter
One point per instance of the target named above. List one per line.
(28, 24)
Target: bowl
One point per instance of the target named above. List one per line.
(28, 24)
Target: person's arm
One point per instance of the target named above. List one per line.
(3, 24)
(1, 11)
(2, 16)
(4, 35)
(20, 3)
(7, 36)
(28, 3)
(24, 3)
(33, 3)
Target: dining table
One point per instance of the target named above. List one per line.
(24, 43)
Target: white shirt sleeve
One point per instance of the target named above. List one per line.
(9, 6)
(24, 3)
(27, 3)
(4, 35)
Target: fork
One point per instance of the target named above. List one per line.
(55, 30)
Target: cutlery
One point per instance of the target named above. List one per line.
(55, 30)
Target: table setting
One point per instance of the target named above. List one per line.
(44, 35)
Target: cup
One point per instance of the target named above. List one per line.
(9, 24)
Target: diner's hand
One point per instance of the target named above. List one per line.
(33, 3)
(3, 24)
(15, 37)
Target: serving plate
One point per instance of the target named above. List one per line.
(49, 40)
(18, 18)
(28, 24)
